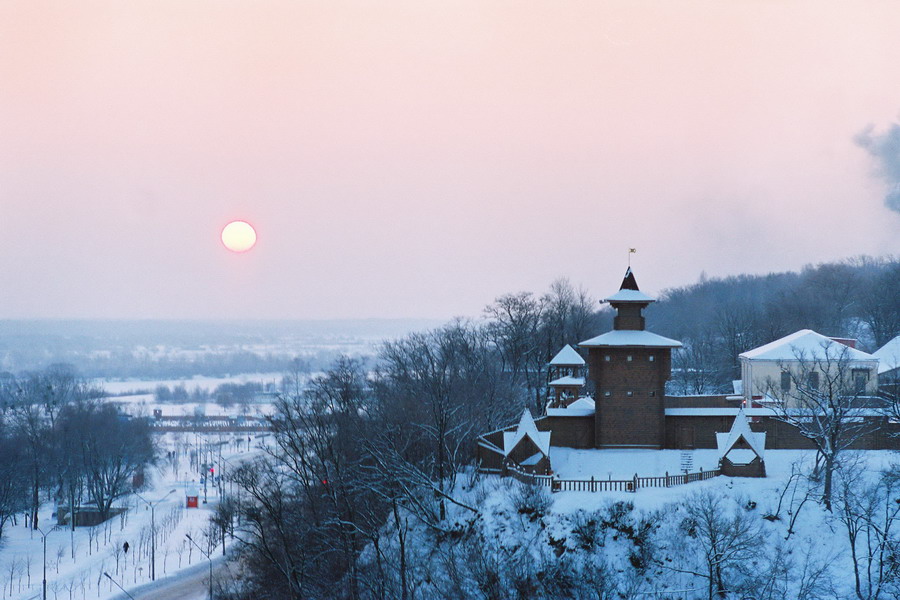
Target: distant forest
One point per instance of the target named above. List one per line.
(717, 319)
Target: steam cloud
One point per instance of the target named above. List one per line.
(885, 148)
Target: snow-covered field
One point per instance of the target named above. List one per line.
(143, 404)
(76, 563)
(121, 386)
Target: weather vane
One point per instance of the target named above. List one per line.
(630, 252)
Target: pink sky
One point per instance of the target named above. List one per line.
(417, 159)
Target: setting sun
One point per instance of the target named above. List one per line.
(239, 236)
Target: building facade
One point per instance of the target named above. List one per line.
(620, 402)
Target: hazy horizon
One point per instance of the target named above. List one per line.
(414, 160)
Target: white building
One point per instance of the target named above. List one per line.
(804, 356)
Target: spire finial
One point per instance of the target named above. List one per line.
(630, 252)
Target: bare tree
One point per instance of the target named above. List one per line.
(436, 392)
(869, 512)
(515, 327)
(722, 537)
(13, 479)
(821, 396)
(878, 305)
(112, 448)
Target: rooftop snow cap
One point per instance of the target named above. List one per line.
(526, 428)
(805, 344)
(629, 292)
(567, 357)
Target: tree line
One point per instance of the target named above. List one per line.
(59, 440)
(717, 319)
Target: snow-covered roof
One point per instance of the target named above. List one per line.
(582, 407)
(525, 428)
(805, 344)
(740, 429)
(627, 337)
(888, 356)
(567, 357)
(568, 380)
(629, 296)
(629, 291)
(718, 412)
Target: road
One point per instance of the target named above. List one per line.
(190, 584)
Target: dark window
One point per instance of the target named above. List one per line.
(812, 380)
(860, 379)
(652, 394)
(785, 381)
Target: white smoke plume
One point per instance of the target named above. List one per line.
(885, 149)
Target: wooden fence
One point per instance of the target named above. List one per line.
(609, 485)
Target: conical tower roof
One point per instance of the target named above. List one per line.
(629, 292)
(629, 283)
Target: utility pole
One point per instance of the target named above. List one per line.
(44, 540)
(152, 506)
(105, 574)
(208, 557)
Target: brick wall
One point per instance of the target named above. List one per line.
(629, 395)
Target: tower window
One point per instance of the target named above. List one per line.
(785, 381)
(812, 380)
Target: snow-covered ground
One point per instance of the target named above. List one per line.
(143, 405)
(121, 386)
(644, 544)
(76, 563)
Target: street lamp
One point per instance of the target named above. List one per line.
(105, 574)
(208, 557)
(44, 540)
(152, 505)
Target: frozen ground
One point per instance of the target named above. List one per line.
(144, 405)
(99, 549)
(120, 386)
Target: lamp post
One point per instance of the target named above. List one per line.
(152, 506)
(208, 557)
(105, 574)
(44, 540)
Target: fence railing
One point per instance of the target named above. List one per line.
(608, 485)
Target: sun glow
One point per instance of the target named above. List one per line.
(239, 236)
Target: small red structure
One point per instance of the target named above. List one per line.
(192, 497)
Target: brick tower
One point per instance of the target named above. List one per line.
(629, 367)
